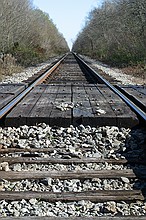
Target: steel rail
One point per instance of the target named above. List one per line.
(135, 108)
(20, 96)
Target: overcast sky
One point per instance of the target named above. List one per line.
(68, 15)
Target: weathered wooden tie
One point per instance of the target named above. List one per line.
(102, 174)
(93, 196)
(89, 105)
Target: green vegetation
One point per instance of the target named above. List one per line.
(28, 34)
(115, 33)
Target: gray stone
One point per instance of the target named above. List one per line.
(125, 179)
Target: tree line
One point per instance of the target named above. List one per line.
(115, 33)
(28, 33)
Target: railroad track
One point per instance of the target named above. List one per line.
(82, 95)
(77, 171)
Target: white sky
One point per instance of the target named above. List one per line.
(68, 15)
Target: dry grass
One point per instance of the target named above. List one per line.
(8, 66)
(9, 70)
(138, 71)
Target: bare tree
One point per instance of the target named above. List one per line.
(25, 30)
(115, 32)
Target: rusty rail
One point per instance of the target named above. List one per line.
(131, 104)
(20, 96)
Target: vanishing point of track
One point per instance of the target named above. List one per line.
(77, 80)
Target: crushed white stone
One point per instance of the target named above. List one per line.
(4, 166)
(34, 207)
(70, 142)
(98, 142)
(116, 73)
(19, 77)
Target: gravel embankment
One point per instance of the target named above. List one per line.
(19, 77)
(27, 73)
(117, 74)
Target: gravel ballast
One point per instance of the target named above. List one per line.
(74, 185)
(62, 167)
(34, 207)
(116, 73)
(67, 143)
(22, 76)
(100, 142)
(27, 72)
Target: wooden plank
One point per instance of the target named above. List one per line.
(103, 114)
(63, 98)
(43, 107)
(38, 160)
(93, 196)
(51, 89)
(9, 92)
(98, 104)
(67, 76)
(5, 99)
(60, 117)
(19, 115)
(82, 112)
(39, 89)
(135, 95)
(79, 89)
(141, 89)
(12, 88)
(108, 94)
(125, 117)
(26, 158)
(107, 101)
(102, 174)
(138, 88)
(64, 89)
(80, 97)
